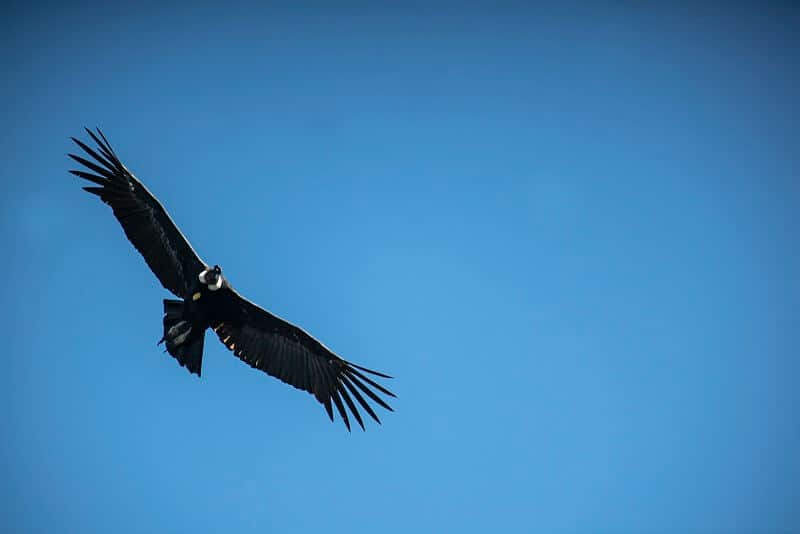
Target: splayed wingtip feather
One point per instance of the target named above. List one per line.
(346, 381)
(353, 409)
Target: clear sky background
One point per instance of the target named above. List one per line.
(570, 233)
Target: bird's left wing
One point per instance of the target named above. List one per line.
(285, 351)
(144, 220)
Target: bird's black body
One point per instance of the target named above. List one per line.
(185, 322)
(207, 300)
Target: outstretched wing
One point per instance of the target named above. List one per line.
(144, 220)
(287, 352)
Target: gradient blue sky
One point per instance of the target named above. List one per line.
(571, 233)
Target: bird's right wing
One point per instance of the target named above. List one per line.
(144, 220)
(287, 352)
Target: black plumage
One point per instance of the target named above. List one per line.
(259, 338)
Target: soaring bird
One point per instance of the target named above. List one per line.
(258, 337)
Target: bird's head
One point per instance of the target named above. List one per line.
(212, 278)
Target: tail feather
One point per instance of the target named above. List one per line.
(182, 343)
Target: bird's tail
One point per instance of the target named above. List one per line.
(182, 343)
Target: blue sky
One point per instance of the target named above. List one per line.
(570, 234)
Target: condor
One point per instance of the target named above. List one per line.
(261, 339)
